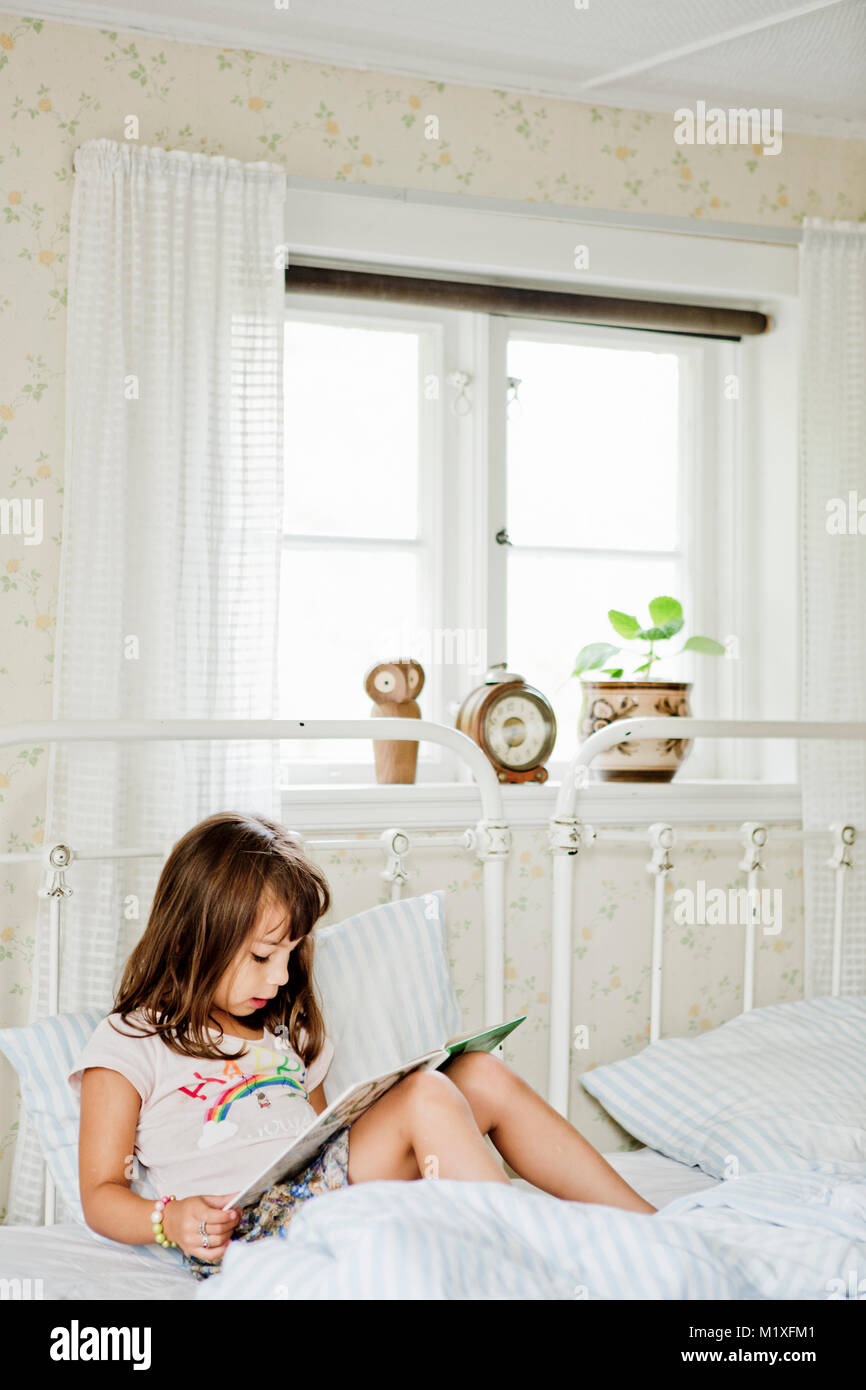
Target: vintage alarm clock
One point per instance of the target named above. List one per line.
(513, 723)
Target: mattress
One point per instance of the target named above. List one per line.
(71, 1264)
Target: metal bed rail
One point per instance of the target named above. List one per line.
(568, 835)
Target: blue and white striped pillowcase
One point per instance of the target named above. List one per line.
(43, 1053)
(386, 991)
(778, 1089)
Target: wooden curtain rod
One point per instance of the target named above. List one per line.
(697, 320)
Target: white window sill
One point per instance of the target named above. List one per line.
(434, 805)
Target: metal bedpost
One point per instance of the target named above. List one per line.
(396, 844)
(566, 837)
(491, 841)
(56, 889)
(662, 838)
(840, 860)
(754, 839)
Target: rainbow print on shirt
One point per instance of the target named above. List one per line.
(216, 1124)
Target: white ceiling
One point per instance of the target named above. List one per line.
(808, 58)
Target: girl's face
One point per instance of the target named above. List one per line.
(261, 966)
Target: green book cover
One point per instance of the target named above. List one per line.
(485, 1041)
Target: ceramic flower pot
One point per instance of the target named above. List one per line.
(644, 760)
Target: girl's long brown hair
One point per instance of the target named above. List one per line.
(205, 906)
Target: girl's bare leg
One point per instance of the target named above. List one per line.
(534, 1139)
(422, 1128)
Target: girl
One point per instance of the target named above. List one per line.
(216, 1054)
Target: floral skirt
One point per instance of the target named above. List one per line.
(271, 1214)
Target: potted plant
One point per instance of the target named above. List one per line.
(616, 698)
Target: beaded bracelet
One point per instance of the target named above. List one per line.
(156, 1221)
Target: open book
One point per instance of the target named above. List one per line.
(352, 1104)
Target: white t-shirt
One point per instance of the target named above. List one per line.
(206, 1127)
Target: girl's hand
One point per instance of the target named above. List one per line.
(181, 1221)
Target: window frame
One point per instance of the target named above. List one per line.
(462, 490)
(438, 332)
(707, 467)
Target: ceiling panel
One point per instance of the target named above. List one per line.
(795, 66)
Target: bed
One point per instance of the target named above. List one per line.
(73, 1266)
(755, 1199)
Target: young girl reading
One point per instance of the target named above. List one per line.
(216, 1054)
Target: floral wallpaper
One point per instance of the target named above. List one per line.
(62, 84)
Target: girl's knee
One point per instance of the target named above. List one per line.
(431, 1088)
(481, 1070)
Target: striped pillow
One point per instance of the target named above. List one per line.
(43, 1053)
(385, 988)
(778, 1089)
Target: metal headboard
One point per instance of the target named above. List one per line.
(568, 835)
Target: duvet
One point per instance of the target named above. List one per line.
(760, 1236)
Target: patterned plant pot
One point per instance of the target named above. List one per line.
(646, 760)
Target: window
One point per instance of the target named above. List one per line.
(582, 444)
(594, 497)
(360, 564)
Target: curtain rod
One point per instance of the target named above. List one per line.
(528, 301)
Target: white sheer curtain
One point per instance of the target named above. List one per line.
(171, 529)
(833, 482)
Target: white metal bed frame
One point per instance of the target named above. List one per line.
(568, 835)
(489, 839)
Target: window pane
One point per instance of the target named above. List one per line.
(558, 604)
(351, 431)
(342, 610)
(593, 447)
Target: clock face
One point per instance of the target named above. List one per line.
(518, 731)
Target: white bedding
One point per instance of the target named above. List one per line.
(72, 1265)
(658, 1179)
(762, 1236)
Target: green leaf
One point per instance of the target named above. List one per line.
(665, 610)
(660, 634)
(593, 656)
(646, 667)
(623, 624)
(704, 644)
(614, 672)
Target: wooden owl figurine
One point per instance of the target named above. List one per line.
(392, 686)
